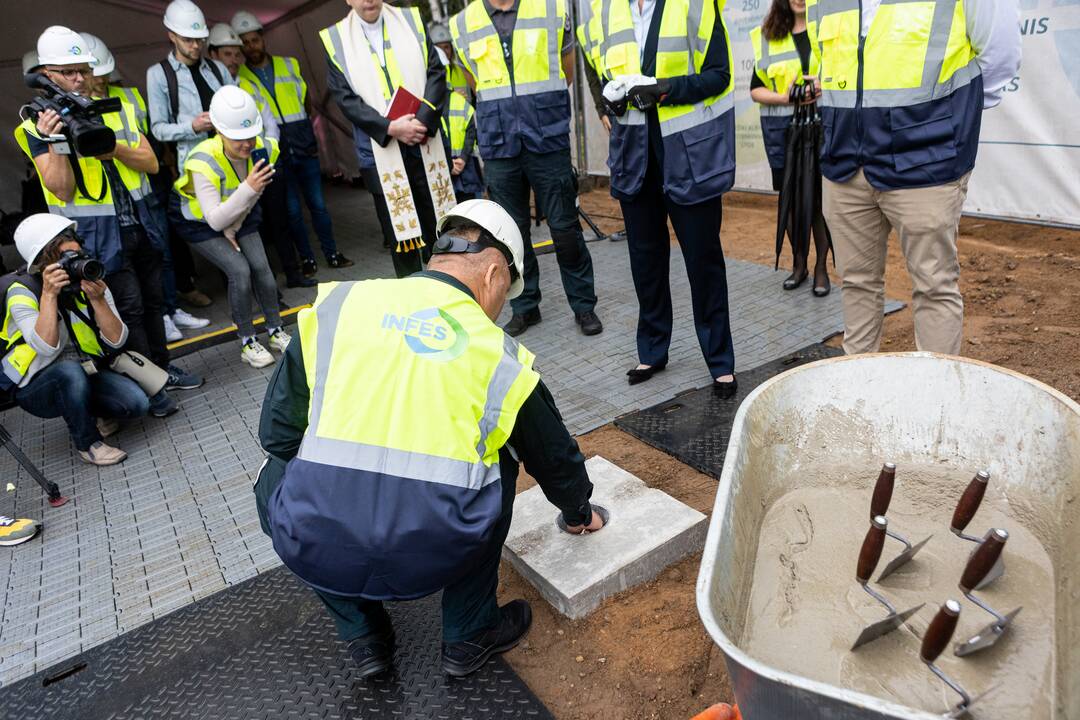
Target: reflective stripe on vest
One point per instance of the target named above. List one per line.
(290, 90)
(335, 50)
(777, 64)
(916, 51)
(209, 160)
(413, 392)
(134, 97)
(536, 49)
(455, 123)
(18, 354)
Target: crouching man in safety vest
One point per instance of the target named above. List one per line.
(394, 429)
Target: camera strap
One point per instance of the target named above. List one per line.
(67, 305)
(80, 183)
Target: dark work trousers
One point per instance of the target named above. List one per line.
(697, 228)
(406, 263)
(550, 175)
(137, 290)
(469, 606)
(183, 264)
(275, 226)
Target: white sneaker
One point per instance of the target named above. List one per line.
(172, 334)
(256, 355)
(279, 340)
(102, 454)
(184, 319)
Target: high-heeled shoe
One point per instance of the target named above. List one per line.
(725, 390)
(640, 375)
(822, 286)
(792, 281)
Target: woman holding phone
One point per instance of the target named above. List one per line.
(214, 208)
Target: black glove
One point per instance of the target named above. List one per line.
(649, 94)
(617, 109)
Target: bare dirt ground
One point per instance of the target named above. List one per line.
(644, 653)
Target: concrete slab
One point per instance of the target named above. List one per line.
(647, 531)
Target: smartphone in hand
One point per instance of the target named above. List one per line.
(259, 154)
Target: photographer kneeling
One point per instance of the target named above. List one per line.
(50, 303)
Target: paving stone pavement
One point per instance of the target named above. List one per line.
(176, 521)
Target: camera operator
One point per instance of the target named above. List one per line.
(107, 195)
(52, 303)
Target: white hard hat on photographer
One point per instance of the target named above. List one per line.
(30, 62)
(185, 18)
(235, 114)
(104, 63)
(37, 231)
(491, 217)
(59, 45)
(245, 22)
(222, 35)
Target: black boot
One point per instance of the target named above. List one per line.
(464, 658)
(519, 323)
(373, 654)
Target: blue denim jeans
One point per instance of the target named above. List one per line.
(304, 177)
(63, 389)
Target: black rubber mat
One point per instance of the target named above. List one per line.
(265, 649)
(695, 427)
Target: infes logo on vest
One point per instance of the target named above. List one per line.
(431, 333)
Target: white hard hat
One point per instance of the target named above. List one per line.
(234, 113)
(245, 22)
(59, 45)
(491, 217)
(222, 35)
(37, 231)
(437, 33)
(30, 61)
(185, 18)
(104, 63)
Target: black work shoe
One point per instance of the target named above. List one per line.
(518, 323)
(337, 260)
(373, 654)
(590, 324)
(308, 268)
(299, 281)
(464, 658)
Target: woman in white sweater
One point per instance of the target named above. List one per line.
(214, 207)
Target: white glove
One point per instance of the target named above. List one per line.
(615, 90)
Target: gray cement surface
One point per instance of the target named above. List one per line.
(176, 521)
(647, 530)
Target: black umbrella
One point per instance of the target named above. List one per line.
(799, 211)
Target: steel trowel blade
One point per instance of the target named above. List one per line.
(962, 709)
(902, 559)
(986, 637)
(995, 572)
(884, 627)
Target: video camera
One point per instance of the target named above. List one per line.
(83, 126)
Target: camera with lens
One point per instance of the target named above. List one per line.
(80, 266)
(83, 127)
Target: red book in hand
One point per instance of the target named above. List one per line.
(403, 103)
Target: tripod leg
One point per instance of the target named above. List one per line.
(51, 489)
(589, 221)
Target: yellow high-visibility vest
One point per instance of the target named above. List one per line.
(290, 90)
(777, 64)
(209, 160)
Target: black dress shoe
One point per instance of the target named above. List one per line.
(299, 281)
(464, 658)
(590, 324)
(337, 260)
(640, 375)
(793, 281)
(822, 286)
(373, 654)
(309, 268)
(518, 323)
(725, 390)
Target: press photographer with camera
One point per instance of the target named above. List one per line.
(62, 342)
(93, 167)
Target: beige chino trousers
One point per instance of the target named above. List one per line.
(927, 221)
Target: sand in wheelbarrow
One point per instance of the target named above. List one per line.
(806, 609)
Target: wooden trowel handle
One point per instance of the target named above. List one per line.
(870, 552)
(970, 501)
(879, 503)
(983, 559)
(940, 632)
